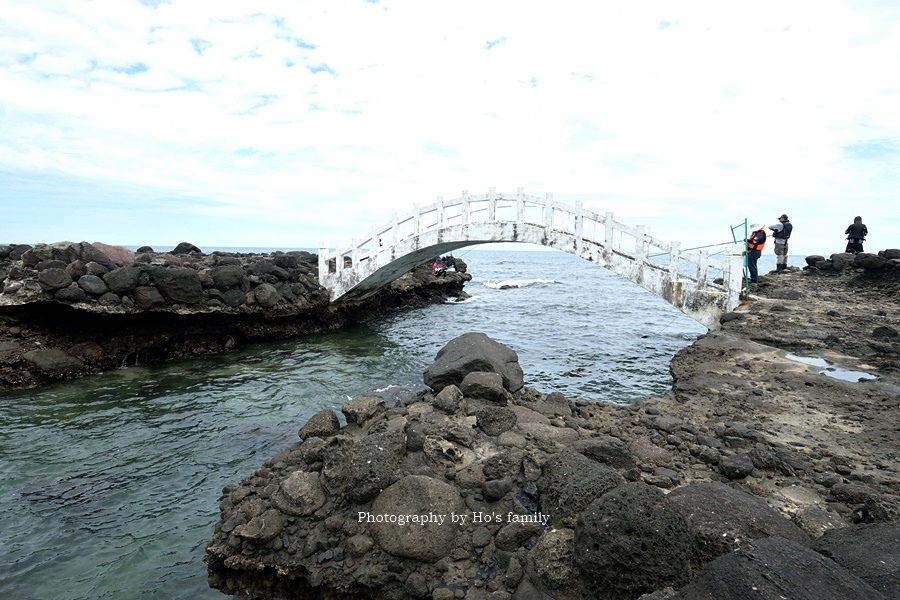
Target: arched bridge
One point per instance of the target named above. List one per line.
(684, 279)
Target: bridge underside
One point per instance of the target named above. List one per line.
(700, 300)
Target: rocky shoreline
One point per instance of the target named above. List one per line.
(73, 309)
(759, 475)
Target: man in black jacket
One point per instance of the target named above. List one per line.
(856, 235)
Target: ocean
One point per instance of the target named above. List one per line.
(109, 485)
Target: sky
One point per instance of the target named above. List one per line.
(286, 123)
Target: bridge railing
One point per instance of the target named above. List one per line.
(584, 225)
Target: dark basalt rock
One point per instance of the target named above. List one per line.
(570, 482)
(869, 551)
(719, 531)
(632, 541)
(470, 353)
(163, 306)
(776, 568)
(186, 248)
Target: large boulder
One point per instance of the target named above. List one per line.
(776, 568)
(719, 531)
(472, 352)
(93, 285)
(54, 279)
(632, 541)
(266, 295)
(90, 253)
(421, 496)
(841, 260)
(186, 248)
(864, 260)
(123, 279)
(813, 259)
(227, 276)
(120, 255)
(178, 283)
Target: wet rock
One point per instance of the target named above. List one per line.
(53, 361)
(234, 297)
(86, 351)
(885, 333)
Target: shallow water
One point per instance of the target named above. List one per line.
(829, 369)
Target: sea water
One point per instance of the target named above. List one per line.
(109, 485)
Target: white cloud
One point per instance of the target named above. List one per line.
(309, 119)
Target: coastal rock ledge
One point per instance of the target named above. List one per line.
(483, 488)
(70, 309)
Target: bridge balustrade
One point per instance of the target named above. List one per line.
(431, 230)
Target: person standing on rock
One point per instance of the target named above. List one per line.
(856, 235)
(781, 231)
(756, 241)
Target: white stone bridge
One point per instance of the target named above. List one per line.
(684, 279)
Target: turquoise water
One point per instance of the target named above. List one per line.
(109, 485)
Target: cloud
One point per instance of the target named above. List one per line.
(282, 123)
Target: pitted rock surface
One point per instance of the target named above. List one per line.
(632, 541)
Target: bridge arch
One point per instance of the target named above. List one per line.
(684, 279)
